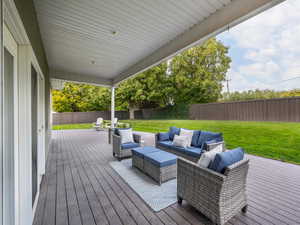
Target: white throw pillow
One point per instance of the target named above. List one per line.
(181, 141)
(208, 157)
(188, 133)
(126, 136)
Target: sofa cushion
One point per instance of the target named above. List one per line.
(225, 159)
(141, 151)
(129, 145)
(178, 149)
(195, 137)
(118, 129)
(208, 136)
(161, 158)
(187, 133)
(164, 136)
(193, 151)
(181, 141)
(173, 131)
(196, 134)
(167, 144)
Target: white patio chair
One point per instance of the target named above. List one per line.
(99, 124)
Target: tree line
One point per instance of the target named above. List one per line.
(258, 94)
(194, 76)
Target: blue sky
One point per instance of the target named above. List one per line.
(265, 49)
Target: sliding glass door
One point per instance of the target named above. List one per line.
(34, 130)
(10, 121)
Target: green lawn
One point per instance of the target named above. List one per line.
(73, 126)
(274, 140)
(268, 139)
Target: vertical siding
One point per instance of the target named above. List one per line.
(283, 109)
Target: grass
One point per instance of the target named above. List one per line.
(72, 126)
(276, 140)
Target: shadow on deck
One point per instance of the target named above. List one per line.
(80, 188)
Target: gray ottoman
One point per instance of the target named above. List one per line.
(160, 165)
(138, 156)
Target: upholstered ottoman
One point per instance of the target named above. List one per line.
(160, 165)
(138, 155)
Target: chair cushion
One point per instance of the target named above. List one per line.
(129, 145)
(118, 129)
(193, 151)
(164, 136)
(161, 158)
(126, 136)
(225, 159)
(141, 151)
(208, 157)
(173, 131)
(208, 136)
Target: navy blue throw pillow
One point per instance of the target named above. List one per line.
(164, 136)
(208, 136)
(225, 159)
(173, 131)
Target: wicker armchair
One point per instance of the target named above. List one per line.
(218, 196)
(117, 147)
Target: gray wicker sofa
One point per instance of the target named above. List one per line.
(202, 141)
(120, 150)
(219, 196)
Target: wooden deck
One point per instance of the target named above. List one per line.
(80, 188)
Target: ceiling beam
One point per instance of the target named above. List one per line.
(80, 78)
(232, 14)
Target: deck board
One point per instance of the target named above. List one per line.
(80, 188)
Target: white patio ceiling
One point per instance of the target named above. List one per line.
(106, 41)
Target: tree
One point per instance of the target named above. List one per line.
(258, 94)
(291, 93)
(80, 98)
(146, 90)
(194, 76)
(197, 73)
(250, 95)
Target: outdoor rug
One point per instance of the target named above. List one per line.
(157, 197)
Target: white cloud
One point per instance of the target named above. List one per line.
(270, 49)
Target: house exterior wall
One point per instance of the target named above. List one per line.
(21, 27)
(28, 16)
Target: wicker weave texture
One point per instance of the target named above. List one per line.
(118, 151)
(217, 196)
(160, 174)
(138, 162)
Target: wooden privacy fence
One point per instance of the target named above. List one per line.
(85, 117)
(280, 109)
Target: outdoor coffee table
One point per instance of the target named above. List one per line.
(158, 164)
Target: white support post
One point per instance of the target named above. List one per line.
(112, 107)
(1, 115)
